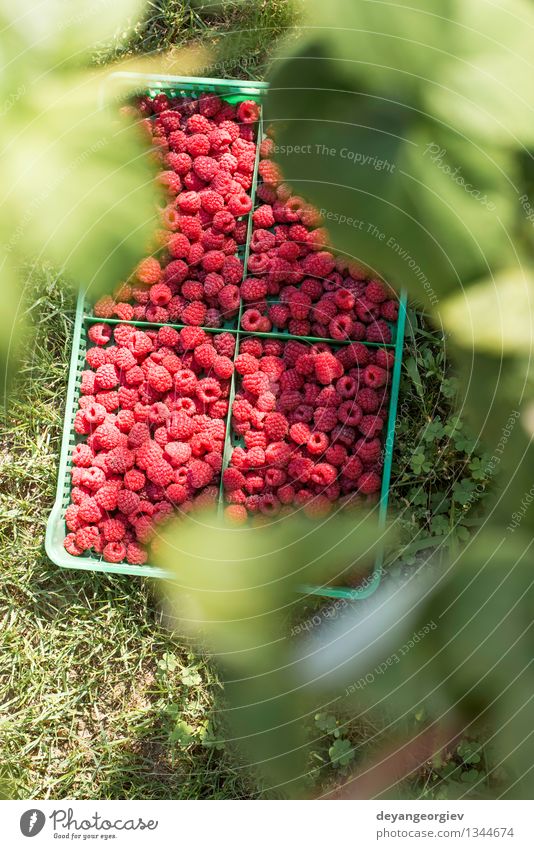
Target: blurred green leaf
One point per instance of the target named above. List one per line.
(235, 589)
(495, 314)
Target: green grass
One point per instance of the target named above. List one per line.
(101, 699)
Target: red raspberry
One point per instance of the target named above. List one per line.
(191, 337)
(177, 271)
(323, 474)
(299, 433)
(213, 261)
(179, 246)
(223, 367)
(205, 167)
(236, 514)
(266, 148)
(160, 294)
(208, 389)
(119, 460)
(370, 426)
(269, 172)
(70, 545)
(239, 204)
(276, 426)
(317, 443)
(369, 451)
(336, 454)
(300, 468)
(159, 378)
(325, 418)
(179, 162)
(170, 180)
(198, 144)
(88, 537)
(248, 111)
(232, 270)
(160, 472)
(378, 331)
(374, 376)
(263, 217)
(278, 454)
(389, 310)
(229, 298)
(352, 467)
(82, 455)
(369, 483)
(200, 474)
(368, 400)
(319, 264)
(127, 501)
(114, 552)
(256, 383)
(114, 529)
(100, 334)
(136, 554)
(194, 313)
(327, 367)
(349, 413)
(134, 480)
(376, 292)
(189, 202)
(253, 289)
(211, 201)
(149, 270)
(104, 307)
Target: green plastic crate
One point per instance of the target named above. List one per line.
(233, 91)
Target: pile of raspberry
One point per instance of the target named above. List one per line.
(206, 151)
(295, 283)
(311, 421)
(151, 423)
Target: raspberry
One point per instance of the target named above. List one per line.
(278, 454)
(179, 246)
(194, 313)
(104, 307)
(232, 270)
(134, 480)
(160, 294)
(325, 418)
(256, 383)
(389, 310)
(248, 111)
(239, 204)
(323, 474)
(352, 467)
(374, 376)
(349, 413)
(263, 217)
(224, 221)
(159, 378)
(213, 261)
(200, 474)
(327, 367)
(317, 443)
(127, 501)
(149, 270)
(119, 460)
(82, 455)
(205, 167)
(319, 264)
(171, 181)
(236, 514)
(369, 451)
(70, 545)
(211, 201)
(378, 331)
(370, 426)
(176, 272)
(198, 144)
(269, 172)
(114, 552)
(159, 471)
(100, 334)
(136, 554)
(299, 433)
(229, 298)
(223, 367)
(369, 483)
(253, 289)
(189, 202)
(368, 400)
(376, 292)
(300, 468)
(208, 389)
